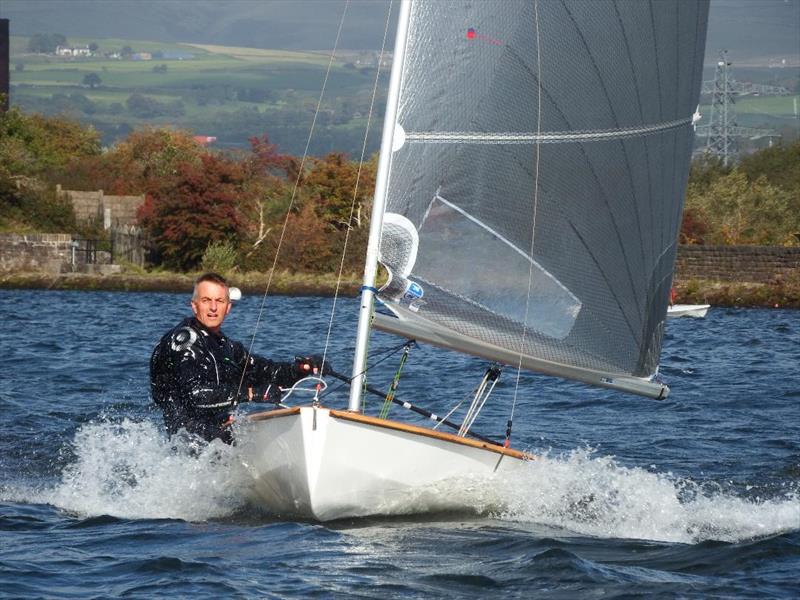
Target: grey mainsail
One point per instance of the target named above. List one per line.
(535, 189)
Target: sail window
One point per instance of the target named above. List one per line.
(464, 256)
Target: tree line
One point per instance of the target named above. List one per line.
(755, 202)
(233, 209)
(201, 204)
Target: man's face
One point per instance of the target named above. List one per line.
(211, 305)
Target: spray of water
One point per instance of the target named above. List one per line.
(132, 470)
(598, 497)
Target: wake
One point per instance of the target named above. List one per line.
(129, 469)
(596, 496)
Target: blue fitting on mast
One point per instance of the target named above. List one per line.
(370, 288)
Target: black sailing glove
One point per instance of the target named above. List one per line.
(311, 365)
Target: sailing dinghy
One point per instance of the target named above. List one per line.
(530, 186)
(687, 310)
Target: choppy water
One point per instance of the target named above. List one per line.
(696, 496)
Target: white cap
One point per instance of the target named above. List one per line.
(235, 294)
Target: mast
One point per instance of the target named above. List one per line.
(384, 161)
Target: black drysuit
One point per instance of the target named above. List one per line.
(196, 379)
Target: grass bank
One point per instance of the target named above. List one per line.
(283, 283)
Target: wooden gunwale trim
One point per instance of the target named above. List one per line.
(439, 435)
(271, 414)
(397, 426)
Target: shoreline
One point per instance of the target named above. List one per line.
(715, 293)
(282, 284)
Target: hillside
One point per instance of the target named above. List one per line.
(283, 24)
(230, 93)
(752, 30)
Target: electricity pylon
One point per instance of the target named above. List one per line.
(722, 130)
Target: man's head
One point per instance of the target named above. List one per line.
(211, 301)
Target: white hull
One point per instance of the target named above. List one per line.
(326, 464)
(688, 310)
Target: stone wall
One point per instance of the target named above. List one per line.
(47, 252)
(59, 253)
(112, 211)
(752, 264)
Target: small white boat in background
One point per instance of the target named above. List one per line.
(687, 310)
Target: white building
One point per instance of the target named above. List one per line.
(73, 51)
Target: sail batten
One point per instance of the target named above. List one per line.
(542, 138)
(577, 112)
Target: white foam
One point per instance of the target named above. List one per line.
(132, 470)
(596, 496)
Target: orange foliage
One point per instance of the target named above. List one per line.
(306, 245)
(693, 227)
(200, 206)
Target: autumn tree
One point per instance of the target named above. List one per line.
(780, 164)
(35, 145)
(331, 182)
(268, 188)
(693, 227)
(706, 169)
(738, 211)
(147, 161)
(200, 207)
(305, 246)
(32, 149)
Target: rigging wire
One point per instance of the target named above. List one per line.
(389, 353)
(481, 396)
(478, 398)
(533, 225)
(294, 194)
(358, 179)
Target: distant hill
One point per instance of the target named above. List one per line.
(754, 31)
(228, 93)
(749, 29)
(280, 24)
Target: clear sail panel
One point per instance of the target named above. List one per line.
(484, 268)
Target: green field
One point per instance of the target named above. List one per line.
(231, 93)
(778, 106)
(775, 113)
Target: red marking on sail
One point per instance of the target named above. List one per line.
(474, 35)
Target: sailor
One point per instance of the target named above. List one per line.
(198, 375)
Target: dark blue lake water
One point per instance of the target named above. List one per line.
(695, 496)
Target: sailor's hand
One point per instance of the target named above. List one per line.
(311, 365)
(264, 393)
